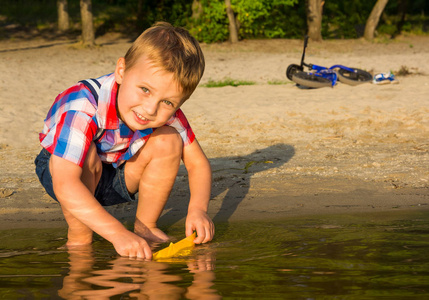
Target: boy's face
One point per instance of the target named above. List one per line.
(148, 96)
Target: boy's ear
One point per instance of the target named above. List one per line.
(120, 70)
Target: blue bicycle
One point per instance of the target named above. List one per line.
(319, 76)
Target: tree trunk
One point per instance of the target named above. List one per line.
(197, 9)
(63, 15)
(140, 15)
(402, 11)
(88, 36)
(373, 19)
(314, 19)
(233, 32)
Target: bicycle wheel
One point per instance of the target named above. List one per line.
(292, 69)
(311, 80)
(354, 78)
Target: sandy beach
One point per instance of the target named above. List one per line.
(276, 150)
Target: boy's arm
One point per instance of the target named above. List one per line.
(200, 180)
(76, 198)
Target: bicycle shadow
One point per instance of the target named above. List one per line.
(231, 175)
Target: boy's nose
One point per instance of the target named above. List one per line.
(150, 106)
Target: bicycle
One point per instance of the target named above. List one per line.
(319, 76)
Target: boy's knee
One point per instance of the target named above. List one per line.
(166, 140)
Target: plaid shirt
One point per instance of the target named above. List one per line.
(77, 118)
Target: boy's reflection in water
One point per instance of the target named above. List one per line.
(202, 267)
(141, 279)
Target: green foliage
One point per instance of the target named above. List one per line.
(28, 13)
(345, 19)
(227, 82)
(212, 26)
(255, 18)
(109, 15)
(286, 22)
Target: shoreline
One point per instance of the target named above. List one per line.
(265, 199)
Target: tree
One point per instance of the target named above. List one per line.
(402, 11)
(197, 9)
(373, 19)
(220, 20)
(314, 19)
(233, 31)
(142, 20)
(88, 36)
(63, 15)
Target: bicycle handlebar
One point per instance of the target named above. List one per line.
(303, 51)
(316, 67)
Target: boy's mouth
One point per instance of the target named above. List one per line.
(140, 118)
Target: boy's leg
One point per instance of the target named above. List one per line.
(79, 233)
(152, 172)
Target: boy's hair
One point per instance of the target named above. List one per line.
(172, 49)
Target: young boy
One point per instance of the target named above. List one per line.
(105, 140)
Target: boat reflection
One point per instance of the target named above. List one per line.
(137, 278)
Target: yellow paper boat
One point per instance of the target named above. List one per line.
(176, 249)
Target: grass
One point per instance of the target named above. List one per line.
(279, 82)
(227, 82)
(233, 82)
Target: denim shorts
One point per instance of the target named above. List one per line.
(110, 190)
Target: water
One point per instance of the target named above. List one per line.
(371, 256)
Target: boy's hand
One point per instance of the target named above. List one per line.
(198, 220)
(131, 245)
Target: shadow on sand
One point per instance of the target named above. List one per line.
(231, 175)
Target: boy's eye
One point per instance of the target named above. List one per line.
(145, 90)
(167, 102)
